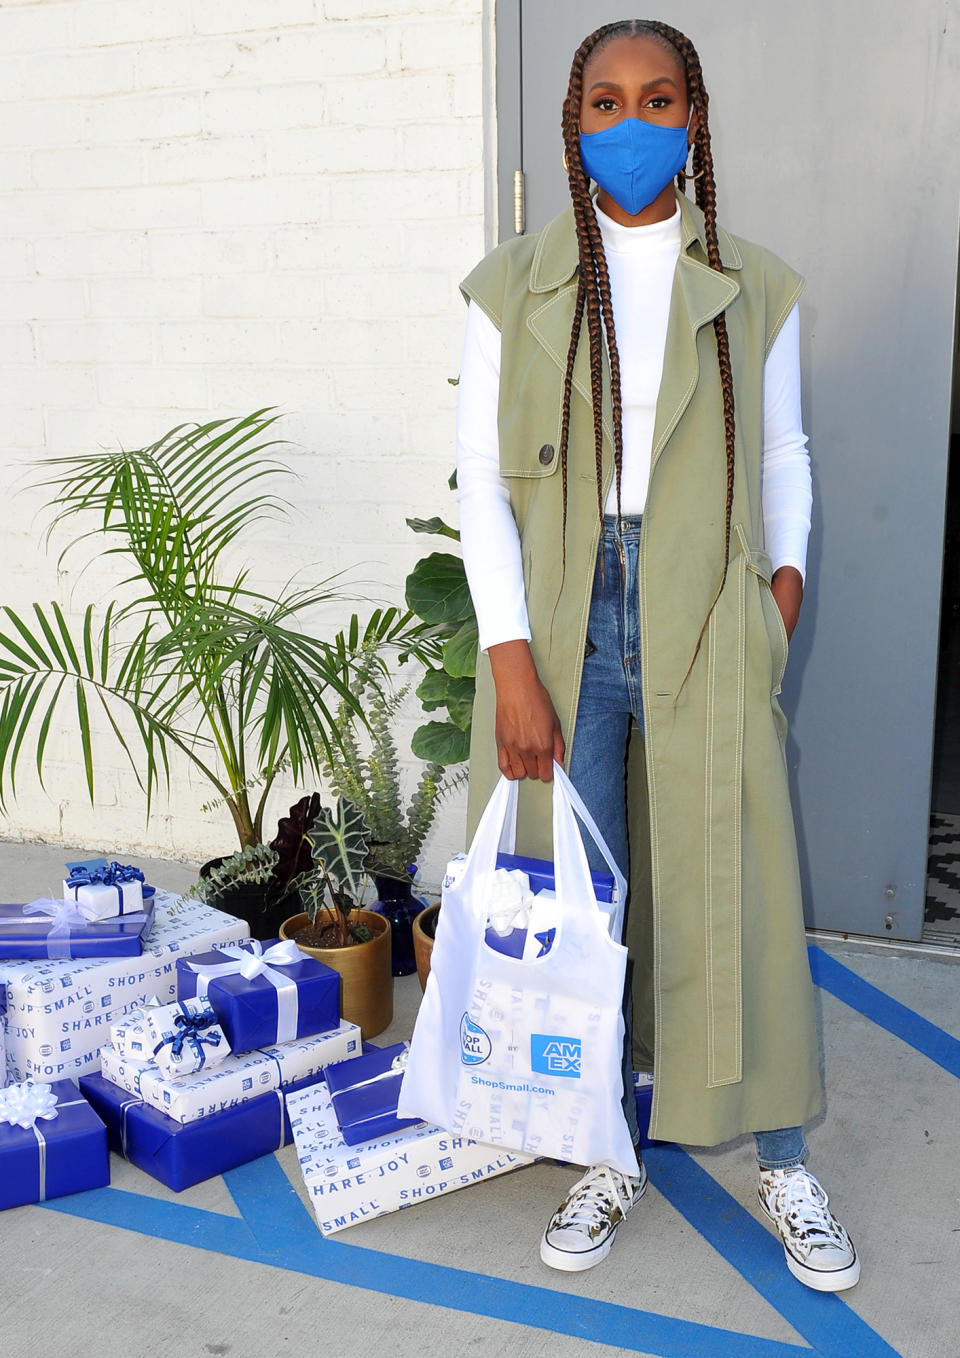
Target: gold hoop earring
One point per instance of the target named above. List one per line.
(686, 174)
(563, 162)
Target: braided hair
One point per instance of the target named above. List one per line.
(593, 285)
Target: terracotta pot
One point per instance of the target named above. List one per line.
(366, 990)
(424, 927)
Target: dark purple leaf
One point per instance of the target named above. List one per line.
(292, 844)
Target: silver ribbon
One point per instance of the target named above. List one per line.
(124, 1108)
(397, 1066)
(253, 961)
(21, 1105)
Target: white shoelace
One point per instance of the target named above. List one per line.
(594, 1199)
(801, 1202)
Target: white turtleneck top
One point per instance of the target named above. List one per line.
(641, 261)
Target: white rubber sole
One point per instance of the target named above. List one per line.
(836, 1280)
(820, 1280)
(577, 1261)
(570, 1261)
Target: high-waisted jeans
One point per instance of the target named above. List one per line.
(611, 702)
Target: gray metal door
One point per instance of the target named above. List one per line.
(834, 131)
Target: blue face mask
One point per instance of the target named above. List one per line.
(633, 160)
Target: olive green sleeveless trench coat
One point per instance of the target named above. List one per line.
(723, 998)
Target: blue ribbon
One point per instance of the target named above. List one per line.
(115, 875)
(190, 1028)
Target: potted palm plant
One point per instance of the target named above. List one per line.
(333, 926)
(190, 657)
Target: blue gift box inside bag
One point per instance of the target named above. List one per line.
(541, 874)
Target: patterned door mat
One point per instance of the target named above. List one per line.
(941, 915)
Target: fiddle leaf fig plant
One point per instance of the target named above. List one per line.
(437, 592)
(340, 846)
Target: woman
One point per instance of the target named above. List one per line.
(635, 504)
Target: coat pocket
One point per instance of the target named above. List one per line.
(758, 562)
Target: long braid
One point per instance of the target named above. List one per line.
(593, 285)
(706, 199)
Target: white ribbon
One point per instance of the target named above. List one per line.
(252, 961)
(21, 1105)
(64, 916)
(509, 901)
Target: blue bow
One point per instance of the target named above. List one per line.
(546, 941)
(190, 1028)
(115, 875)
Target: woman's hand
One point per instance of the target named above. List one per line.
(787, 589)
(527, 727)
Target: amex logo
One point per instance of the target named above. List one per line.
(551, 1054)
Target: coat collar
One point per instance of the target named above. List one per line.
(700, 293)
(556, 257)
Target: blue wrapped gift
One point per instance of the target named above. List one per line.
(643, 1088)
(264, 994)
(51, 1143)
(49, 928)
(540, 872)
(364, 1092)
(183, 1154)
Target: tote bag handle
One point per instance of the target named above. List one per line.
(496, 832)
(575, 801)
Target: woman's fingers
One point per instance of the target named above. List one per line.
(527, 727)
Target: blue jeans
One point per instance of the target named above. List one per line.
(611, 701)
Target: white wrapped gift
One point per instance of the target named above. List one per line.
(129, 1035)
(59, 1012)
(185, 1037)
(103, 892)
(348, 1184)
(236, 1080)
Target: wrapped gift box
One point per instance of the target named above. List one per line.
(643, 1086)
(59, 1012)
(129, 1035)
(348, 1184)
(52, 1155)
(100, 892)
(364, 1094)
(263, 994)
(234, 1081)
(146, 890)
(57, 930)
(184, 1037)
(180, 1155)
(3, 1035)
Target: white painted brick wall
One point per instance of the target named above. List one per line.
(210, 205)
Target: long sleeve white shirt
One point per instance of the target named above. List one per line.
(641, 261)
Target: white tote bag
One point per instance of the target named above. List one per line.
(526, 1052)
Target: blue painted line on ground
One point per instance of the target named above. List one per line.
(173, 1221)
(823, 1319)
(276, 1230)
(880, 1008)
(278, 1239)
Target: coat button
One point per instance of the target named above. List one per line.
(546, 454)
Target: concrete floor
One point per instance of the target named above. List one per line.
(236, 1266)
